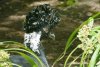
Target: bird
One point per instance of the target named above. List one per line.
(40, 21)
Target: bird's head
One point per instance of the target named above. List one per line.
(42, 18)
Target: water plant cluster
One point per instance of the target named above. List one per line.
(89, 36)
(4, 59)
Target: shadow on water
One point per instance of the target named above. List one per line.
(10, 7)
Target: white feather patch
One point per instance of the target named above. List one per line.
(33, 39)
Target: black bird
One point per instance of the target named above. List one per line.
(40, 21)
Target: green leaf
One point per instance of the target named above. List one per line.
(28, 58)
(11, 44)
(26, 51)
(94, 56)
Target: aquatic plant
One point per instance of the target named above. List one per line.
(90, 42)
(21, 50)
(4, 59)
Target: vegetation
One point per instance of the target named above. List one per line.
(21, 50)
(88, 35)
(70, 2)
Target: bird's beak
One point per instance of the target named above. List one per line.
(52, 36)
